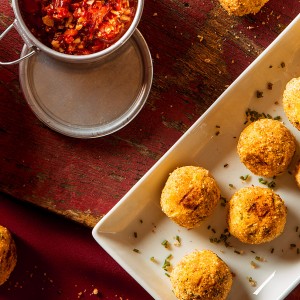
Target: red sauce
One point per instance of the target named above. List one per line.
(78, 27)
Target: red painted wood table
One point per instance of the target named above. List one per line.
(55, 188)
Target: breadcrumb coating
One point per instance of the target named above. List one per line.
(266, 147)
(256, 215)
(242, 7)
(291, 101)
(201, 275)
(8, 254)
(189, 196)
(297, 173)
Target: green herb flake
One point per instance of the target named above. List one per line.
(165, 243)
(271, 184)
(153, 259)
(251, 281)
(252, 115)
(167, 263)
(245, 178)
(177, 240)
(167, 274)
(262, 181)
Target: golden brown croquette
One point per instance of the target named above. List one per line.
(242, 7)
(256, 215)
(189, 196)
(297, 173)
(291, 101)
(266, 147)
(201, 275)
(8, 254)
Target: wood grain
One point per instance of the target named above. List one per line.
(198, 50)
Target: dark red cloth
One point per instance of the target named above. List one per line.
(59, 259)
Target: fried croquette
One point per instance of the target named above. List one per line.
(8, 254)
(242, 7)
(256, 215)
(291, 101)
(297, 173)
(266, 147)
(201, 275)
(189, 196)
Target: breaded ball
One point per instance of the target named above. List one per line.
(266, 147)
(256, 215)
(189, 196)
(8, 254)
(242, 7)
(291, 101)
(297, 173)
(201, 275)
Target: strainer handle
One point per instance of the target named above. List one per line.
(33, 51)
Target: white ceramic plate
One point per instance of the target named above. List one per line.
(137, 222)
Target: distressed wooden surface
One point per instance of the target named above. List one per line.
(197, 49)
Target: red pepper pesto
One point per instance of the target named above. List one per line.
(78, 27)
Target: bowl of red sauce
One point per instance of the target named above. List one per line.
(76, 31)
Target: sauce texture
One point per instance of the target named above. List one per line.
(78, 27)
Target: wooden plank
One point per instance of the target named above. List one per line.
(197, 49)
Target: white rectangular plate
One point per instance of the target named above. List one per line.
(137, 221)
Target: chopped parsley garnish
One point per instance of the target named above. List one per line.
(252, 281)
(252, 115)
(270, 184)
(165, 243)
(244, 178)
(166, 266)
(178, 240)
